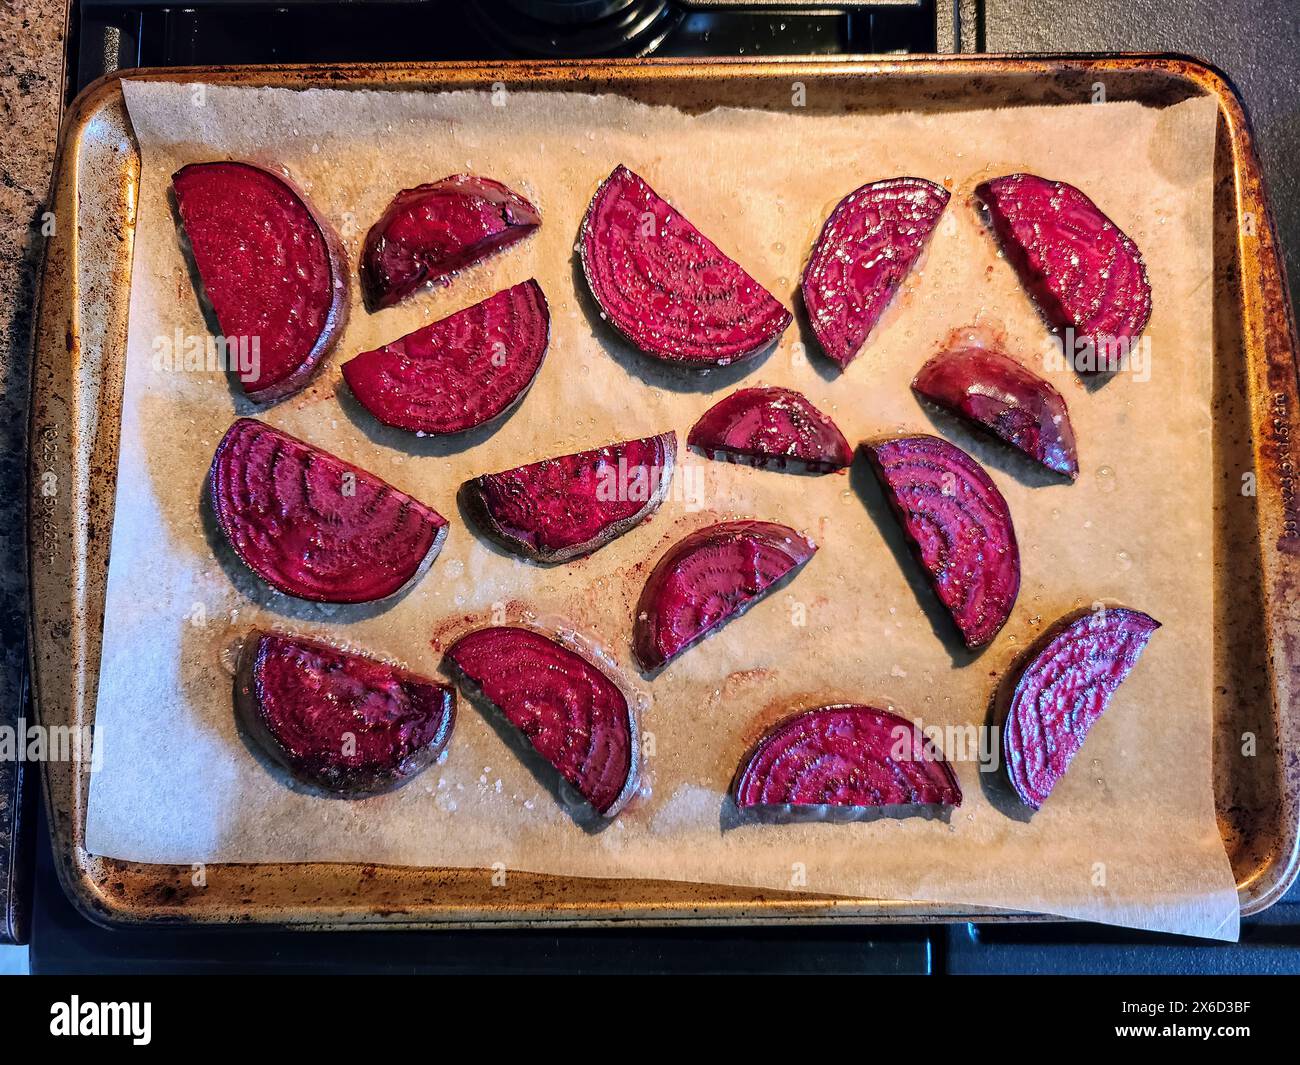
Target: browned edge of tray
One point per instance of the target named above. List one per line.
(76, 407)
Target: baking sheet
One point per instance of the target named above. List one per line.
(1129, 836)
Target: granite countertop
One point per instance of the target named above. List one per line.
(32, 35)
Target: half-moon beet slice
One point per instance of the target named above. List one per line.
(995, 391)
(342, 722)
(562, 508)
(708, 578)
(461, 371)
(959, 527)
(571, 712)
(429, 232)
(847, 757)
(868, 245)
(1085, 274)
(1060, 688)
(665, 286)
(314, 526)
(272, 269)
(771, 428)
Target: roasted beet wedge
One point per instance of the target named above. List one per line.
(771, 428)
(428, 233)
(995, 391)
(314, 526)
(665, 286)
(866, 248)
(959, 527)
(571, 712)
(459, 372)
(1086, 276)
(272, 269)
(1060, 688)
(342, 722)
(563, 508)
(845, 757)
(708, 578)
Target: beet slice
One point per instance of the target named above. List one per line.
(995, 391)
(1059, 689)
(314, 526)
(428, 233)
(568, 709)
(868, 245)
(847, 757)
(566, 507)
(459, 372)
(272, 269)
(771, 428)
(708, 578)
(665, 286)
(959, 528)
(343, 722)
(1085, 274)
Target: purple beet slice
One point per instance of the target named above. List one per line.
(995, 391)
(867, 247)
(771, 428)
(571, 712)
(1059, 689)
(461, 371)
(428, 233)
(272, 269)
(566, 507)
(314, 526)
(958, 525)
(343, 722)
(708, 578)
(846, 757)
(665, 286)
(1085, 274)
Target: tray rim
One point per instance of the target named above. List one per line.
(1268, 328)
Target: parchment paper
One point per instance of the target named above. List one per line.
(1129, 835)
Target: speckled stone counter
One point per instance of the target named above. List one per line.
(32, 34)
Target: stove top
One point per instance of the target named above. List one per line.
(1260, 48)
(124, 33)
(64, 942)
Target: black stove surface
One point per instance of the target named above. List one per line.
(126, 33)
(65, 943)
(1259, 47)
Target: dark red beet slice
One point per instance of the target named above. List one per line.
(428, 233)
(566, 507)
(1083, 272)
(1060, 688)
(272, 269)
(771, 428)
(845, 756)
(314, 526)
(342, 722)
(665, 286)
(573, 715)
(866, 248)
(461, 371)
(708, 578)
(959, 527)
(995, 391)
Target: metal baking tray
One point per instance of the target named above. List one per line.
(76, 407)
